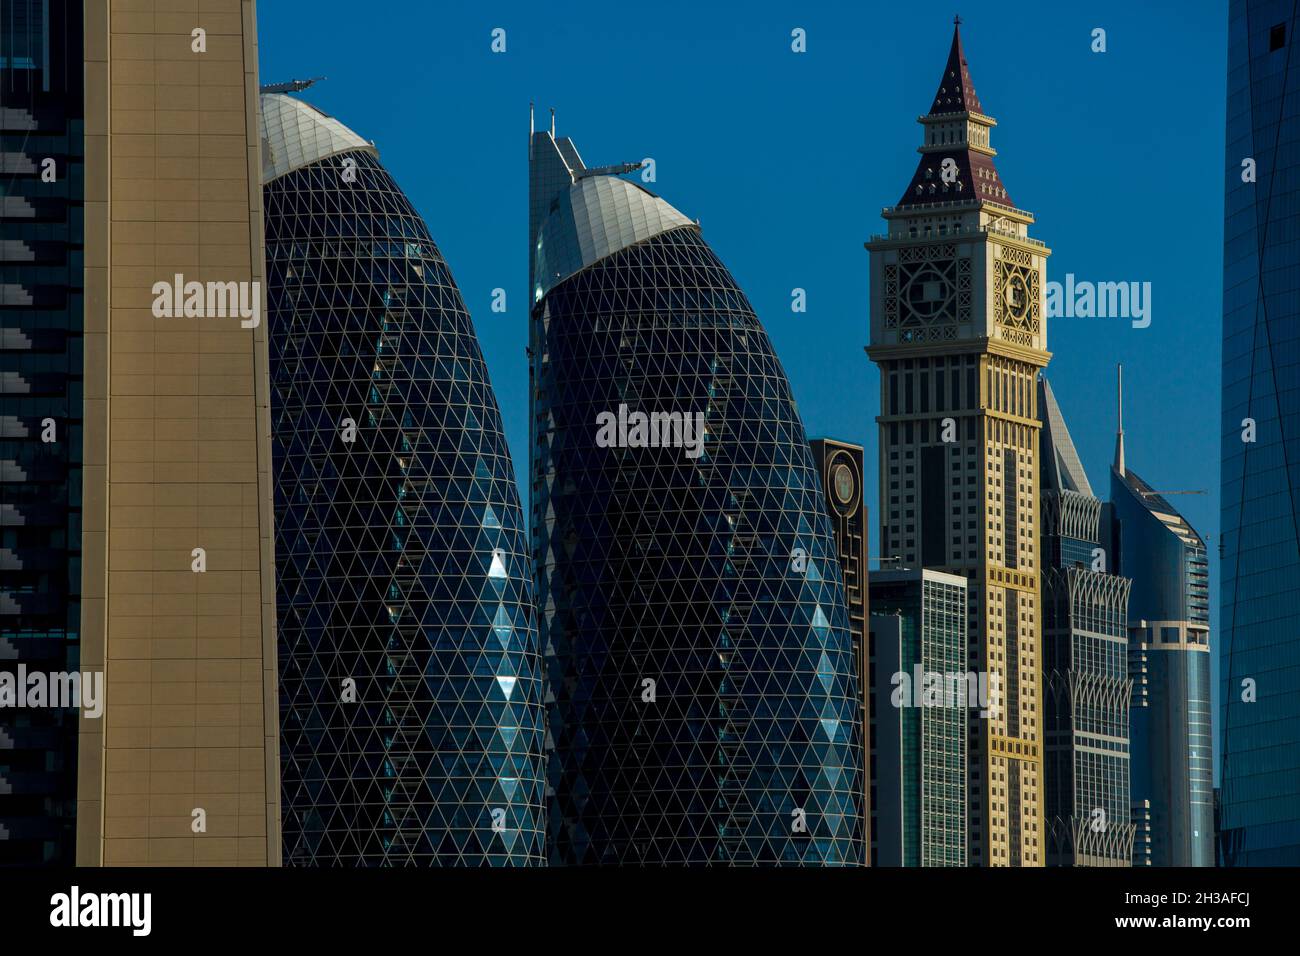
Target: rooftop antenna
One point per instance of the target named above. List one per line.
(293, 86)
(1119, 435)
(531, 129)
(552, 122)
(618, 169)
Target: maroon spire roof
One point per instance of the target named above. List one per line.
(956, 92)
(972, 173)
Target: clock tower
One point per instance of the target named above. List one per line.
(959, 331)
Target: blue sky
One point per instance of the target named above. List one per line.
(786, 159)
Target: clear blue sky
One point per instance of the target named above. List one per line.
(786, 159)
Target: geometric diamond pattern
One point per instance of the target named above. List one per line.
(927, 291)
(1016, 320)
(400, 556)
(653, 566)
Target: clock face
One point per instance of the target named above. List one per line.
(844, 484)
(1016, 294)
(928, 291)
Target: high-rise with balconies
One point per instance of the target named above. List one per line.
(959, 331)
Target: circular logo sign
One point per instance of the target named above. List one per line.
(844, 484)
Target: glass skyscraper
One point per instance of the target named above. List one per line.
(691, 605)
(41, 347)
(1171, 781)
(1259, 612)
(918, 634)
(410, 679)
(1085, 658)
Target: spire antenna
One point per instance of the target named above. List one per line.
(1119, 378)
(552, 122)
(292, 86)
(531, 128)
(1119, 434)
(956, 21)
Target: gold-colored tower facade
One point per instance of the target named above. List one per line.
(959, 332)
(178, 576)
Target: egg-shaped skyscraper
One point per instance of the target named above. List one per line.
(705, 692)
(411, 698)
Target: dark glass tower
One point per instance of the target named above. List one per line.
(1171, 778)
(1260, 615)
(691, 605)
(41, 306)
(1085, 655)
(400, 549)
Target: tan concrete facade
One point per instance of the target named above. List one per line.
(177, 446)
(959, 331)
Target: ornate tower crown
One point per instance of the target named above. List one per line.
(958, 329)
(956, 159)
(958, 263)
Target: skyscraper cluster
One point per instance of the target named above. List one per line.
(256, 485)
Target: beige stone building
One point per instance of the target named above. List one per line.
(178, 573)
(959, 331)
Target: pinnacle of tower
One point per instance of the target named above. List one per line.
(952, 167)
(579, 214)
(956, 93)
(1119, 433)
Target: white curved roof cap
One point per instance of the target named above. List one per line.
(597, 216)
(295, 134)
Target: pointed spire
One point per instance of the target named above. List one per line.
(1063, 471)
(956, 92)
(956, 156)
(1119, 435)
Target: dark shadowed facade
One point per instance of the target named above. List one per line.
(1259, 663)
(41, 376)
(842, 468)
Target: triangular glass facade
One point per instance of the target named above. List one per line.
(705, 688)
(400, 546)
